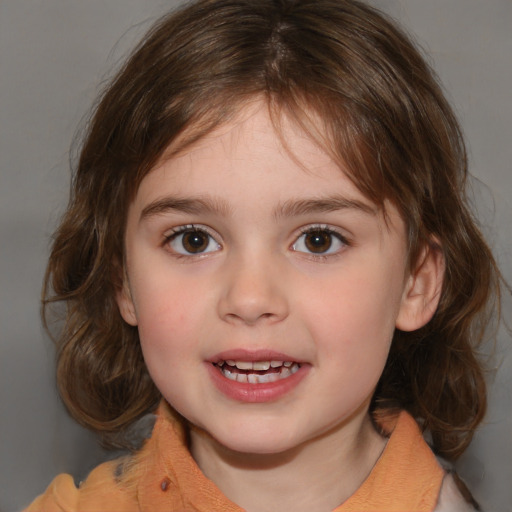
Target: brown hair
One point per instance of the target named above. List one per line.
(383, 114)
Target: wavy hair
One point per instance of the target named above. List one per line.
(341, 69)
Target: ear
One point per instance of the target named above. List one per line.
(125, 303)
(423, 289)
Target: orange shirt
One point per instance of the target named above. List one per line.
(163, 477)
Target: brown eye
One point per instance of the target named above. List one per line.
(319, 241)
(191, 240)
(195, 241)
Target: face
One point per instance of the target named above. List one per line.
(264, 285)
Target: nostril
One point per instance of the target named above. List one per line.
(251, 299)
(251, 319)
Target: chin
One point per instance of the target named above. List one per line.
(257, 441)
(256, 446)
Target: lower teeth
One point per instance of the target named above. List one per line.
(259, 378)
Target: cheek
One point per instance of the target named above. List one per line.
(168, 317)
(169, 341)
(355, 319)
(355, 331)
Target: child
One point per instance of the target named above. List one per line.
(268, 246)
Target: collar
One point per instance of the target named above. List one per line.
(406, 477)
(171, 479)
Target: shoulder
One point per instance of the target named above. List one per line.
(100, 491)
(61, 495)
(451, 498)
(110, 486)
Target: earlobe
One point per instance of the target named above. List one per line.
(125, 304)
(423, 290)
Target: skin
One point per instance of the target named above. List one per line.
(257, 285)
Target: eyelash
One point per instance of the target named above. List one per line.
(189, 228)
(309, 230)
(324, 230)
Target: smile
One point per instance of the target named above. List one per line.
(257, 372)
(257, 376)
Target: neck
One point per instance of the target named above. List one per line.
(316, 476)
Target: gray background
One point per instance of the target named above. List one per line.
(54, 57)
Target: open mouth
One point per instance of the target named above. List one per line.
(257, 372)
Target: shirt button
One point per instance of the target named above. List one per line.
(165, 484)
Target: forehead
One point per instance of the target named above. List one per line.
(254, 145)
(250, 168)
(248, 175)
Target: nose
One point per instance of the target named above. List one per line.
(253, 292)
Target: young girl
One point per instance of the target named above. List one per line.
(267, 250)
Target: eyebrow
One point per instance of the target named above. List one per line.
(299, 207)
(196, 205)
(290, 208)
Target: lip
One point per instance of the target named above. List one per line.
(253, 355)
(255, 393)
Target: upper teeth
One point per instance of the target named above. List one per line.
(256, 365)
